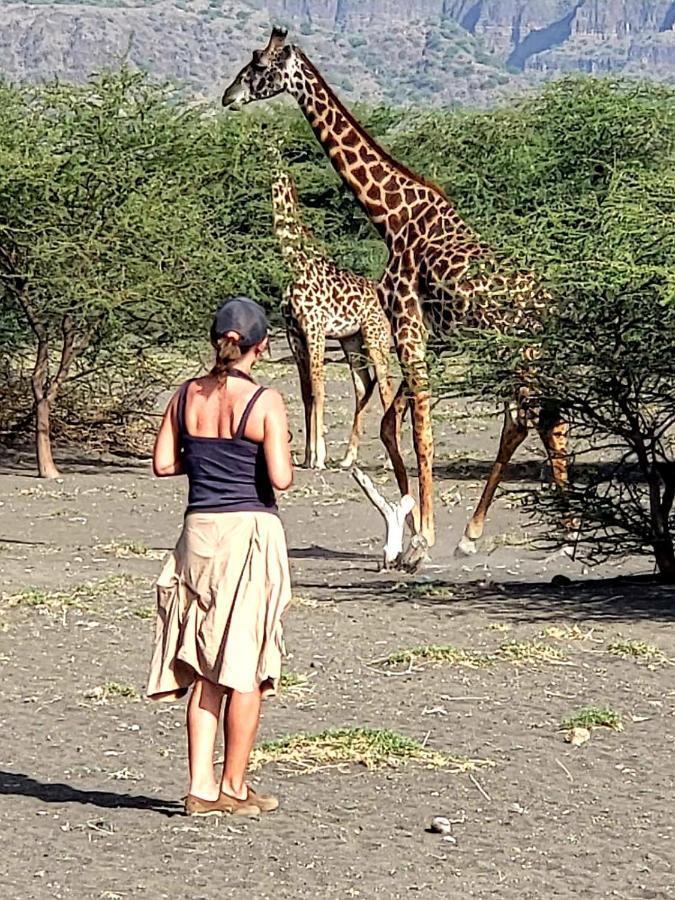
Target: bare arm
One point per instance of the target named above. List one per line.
(166, 459)
(276, 442)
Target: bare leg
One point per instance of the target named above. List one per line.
(514, 432)
(242, 715)
(203, 713)
(364, 384)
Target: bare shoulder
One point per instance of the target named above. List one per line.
(272, 399)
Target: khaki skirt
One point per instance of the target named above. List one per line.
(220, 599)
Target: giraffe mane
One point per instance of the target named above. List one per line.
(353, 121)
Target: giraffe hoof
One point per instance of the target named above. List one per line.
(466, 547)
(348, 461)
(415, 554)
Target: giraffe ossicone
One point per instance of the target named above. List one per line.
(439, 275)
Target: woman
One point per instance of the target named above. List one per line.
(222, 594)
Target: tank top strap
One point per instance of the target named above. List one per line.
(246, 414)
(180, 410)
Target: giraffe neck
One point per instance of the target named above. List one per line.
(294, 237)
(385, 189)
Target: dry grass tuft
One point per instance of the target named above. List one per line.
(295, 684)
(111, 690)
(568, 633)
(594, 717)
(308, 602)
(433, 654)
(529, 653)
(435, 589)
(130, 550)
(639, 651)
(513, 652)
(372, 748)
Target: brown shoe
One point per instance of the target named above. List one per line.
(196, 806)
(236, 807)
(266, 803)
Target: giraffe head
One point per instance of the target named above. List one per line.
(268, 73)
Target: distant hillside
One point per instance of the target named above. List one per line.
(418, 51)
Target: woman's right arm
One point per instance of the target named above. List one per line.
(276, 442)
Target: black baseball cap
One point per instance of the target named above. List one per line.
(243, 315)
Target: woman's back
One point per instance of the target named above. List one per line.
(222, 434)
(215, 410)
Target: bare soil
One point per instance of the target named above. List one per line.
(91, 786)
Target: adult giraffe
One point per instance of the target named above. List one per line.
(439, 275)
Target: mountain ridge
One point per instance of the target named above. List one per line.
(428, 51)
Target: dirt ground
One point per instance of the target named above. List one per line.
(91, 785)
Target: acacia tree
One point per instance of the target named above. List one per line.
(101, 237)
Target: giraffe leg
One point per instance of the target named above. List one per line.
(316, 346)
(390, 435)
(514, 432)
(364, 384)
(553, 432)
(298, 347)
(399, 296)
(416, 376)
(377, 338)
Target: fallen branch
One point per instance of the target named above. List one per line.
(393, 515)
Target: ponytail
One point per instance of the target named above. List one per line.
(228, 352)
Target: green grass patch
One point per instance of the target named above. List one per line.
(143, 612)
(637, 650)
(594, 717)
(372, 748)
(79, 596)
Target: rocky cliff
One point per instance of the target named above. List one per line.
(469, 51)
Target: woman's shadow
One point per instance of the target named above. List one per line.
(14, 783)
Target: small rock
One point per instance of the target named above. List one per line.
(440, 825)
(577, 736)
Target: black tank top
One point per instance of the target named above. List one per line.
(225, 474)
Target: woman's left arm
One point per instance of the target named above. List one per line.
(166, 459)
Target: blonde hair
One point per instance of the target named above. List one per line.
(228, 352)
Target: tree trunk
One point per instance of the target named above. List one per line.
(665, 560)
(660, 504)
(43, 442)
